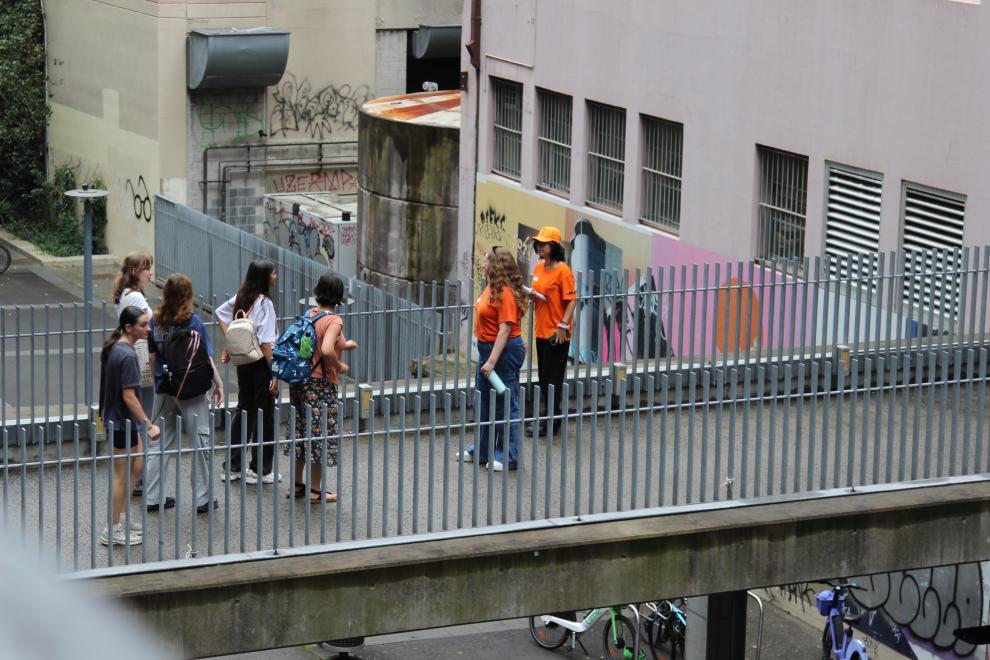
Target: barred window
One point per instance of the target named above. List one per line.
(662, 159)
(783, 204)
(606, 155)
(507, 127)
(554, 141)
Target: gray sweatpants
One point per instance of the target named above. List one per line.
(194, 411)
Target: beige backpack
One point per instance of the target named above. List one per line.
(242, 340)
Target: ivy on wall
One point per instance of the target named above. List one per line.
(31, 207)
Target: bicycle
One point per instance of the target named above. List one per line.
(665, 623)
(837, 640)
(619, 637)
(4, 259)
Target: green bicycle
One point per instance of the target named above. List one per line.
(620, 637)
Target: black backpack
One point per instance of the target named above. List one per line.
(186, 368)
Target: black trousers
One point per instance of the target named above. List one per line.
(252, 393)
(551, 365)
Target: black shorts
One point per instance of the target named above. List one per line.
(120, 438)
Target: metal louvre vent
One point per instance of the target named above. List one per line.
(507, 127)
(933, 222)
(852, 220)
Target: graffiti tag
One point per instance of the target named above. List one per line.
(140, 198)
(319, 113)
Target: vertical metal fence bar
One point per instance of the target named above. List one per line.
(431, 464)
(854, 363)
(400, 477)
(693, 399)
(706, 409)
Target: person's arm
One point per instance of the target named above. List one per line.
(500, 340)
(217, 394)
(134, 407)
(563, 328)
(327, 351)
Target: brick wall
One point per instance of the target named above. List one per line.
(390, 62)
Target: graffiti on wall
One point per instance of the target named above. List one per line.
(227, 121)
(308, 235)
(299, 107)
(921, 609)
(639, 290)
(140, 198)
(336, 180)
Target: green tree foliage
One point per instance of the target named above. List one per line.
(31, 207)
(23, 110)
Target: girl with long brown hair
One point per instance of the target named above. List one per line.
(175, 314)
(498, 314)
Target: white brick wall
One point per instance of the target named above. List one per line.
(390, 62)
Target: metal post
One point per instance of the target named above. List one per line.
(88, 194)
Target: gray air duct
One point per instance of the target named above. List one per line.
(233, 57)
(433, 41)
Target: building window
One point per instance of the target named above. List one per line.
(662, 159)
(783, 204)
(554, 141)
(606, 155)
(932, 224)
(507, 127)
(852, 220)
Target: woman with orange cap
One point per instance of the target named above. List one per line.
(556, 296)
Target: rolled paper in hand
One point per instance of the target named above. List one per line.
(496, 382)
(529, 289)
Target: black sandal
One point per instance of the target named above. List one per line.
(317, 495)
(298, 492)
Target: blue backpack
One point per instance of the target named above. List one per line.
(292, 357)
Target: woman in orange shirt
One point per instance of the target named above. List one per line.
(497, 314)
(555, 295)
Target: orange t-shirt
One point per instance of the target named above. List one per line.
(488, 317)
(322, 327)
(557, 284)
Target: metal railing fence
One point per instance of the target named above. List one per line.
(720, 433)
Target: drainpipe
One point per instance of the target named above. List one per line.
(44, 30)
(474, 49)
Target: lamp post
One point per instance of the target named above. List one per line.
(88, 194)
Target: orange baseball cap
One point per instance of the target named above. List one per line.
(548, 235)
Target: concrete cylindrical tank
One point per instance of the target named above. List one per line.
(407, 195)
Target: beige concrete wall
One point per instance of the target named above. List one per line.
(406, 14)
(330, 72)
(105, 107)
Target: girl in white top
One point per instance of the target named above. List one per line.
(128, 291)
(256, 388)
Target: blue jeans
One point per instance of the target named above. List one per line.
(507, 367)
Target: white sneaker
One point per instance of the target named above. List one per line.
(229, 476)
(120, 536)
(136, 527)
(251, 477)
(270, 478)
(467, 456)
(497, 466)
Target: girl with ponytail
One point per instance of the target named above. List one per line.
(120, 407)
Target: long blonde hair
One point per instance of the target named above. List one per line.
(128, 277)
(505, 272)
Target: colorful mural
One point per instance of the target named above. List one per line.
(615, 261)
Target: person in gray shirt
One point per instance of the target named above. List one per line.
(120, 408)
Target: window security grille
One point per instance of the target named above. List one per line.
(554, 141)
(606, 155)
(852, 221)
(507, 127)
(932, 222)
(783, 204)
(662, 160)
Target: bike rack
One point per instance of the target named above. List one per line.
(635, 611)
(759, 630)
